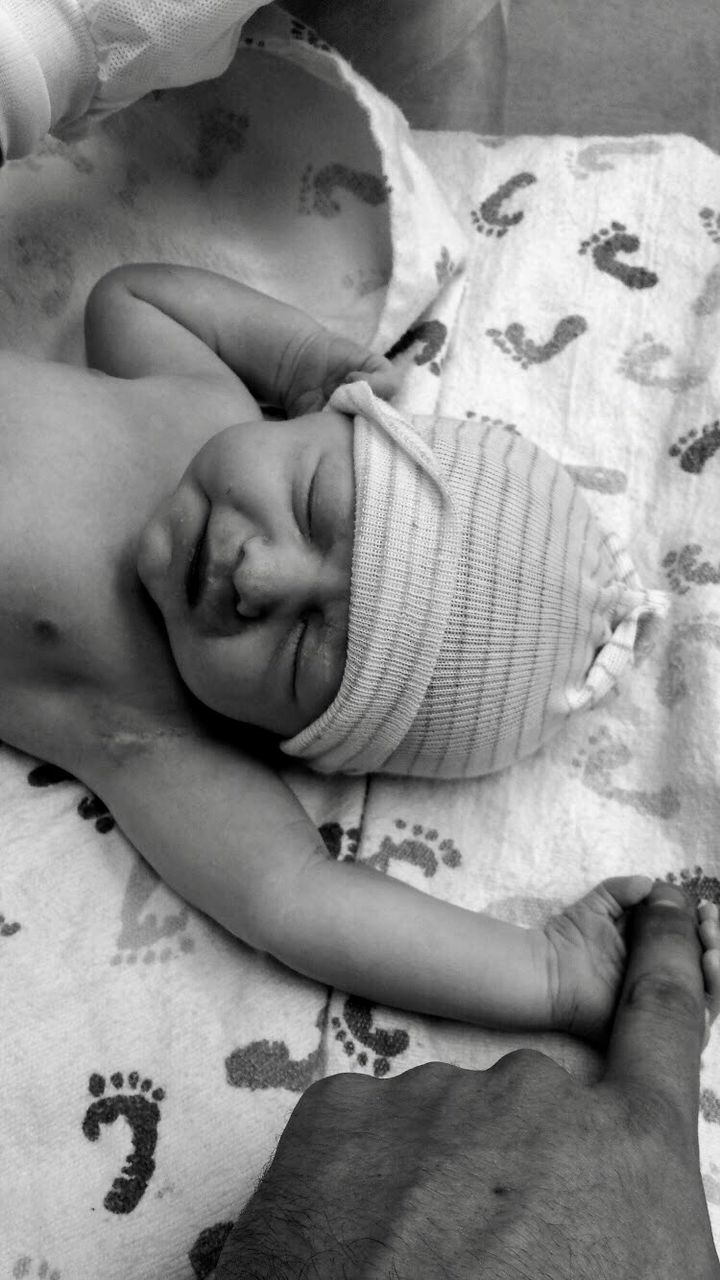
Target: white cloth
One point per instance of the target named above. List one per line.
(64, 63)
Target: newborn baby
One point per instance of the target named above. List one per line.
(375, 596)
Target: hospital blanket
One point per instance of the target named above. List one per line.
(567, 289)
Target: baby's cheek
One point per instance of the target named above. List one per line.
(153, 559)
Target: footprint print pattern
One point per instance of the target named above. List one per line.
(638, 363)
(143, 934)
(486, 421)
(695, 884)
(358, 1017)
(221, 134)
(335, 837)
(605, 246)
(683, 569)
(41, 253)
(445, 266)
(710, 1106)
(604, 756)
(137, 1103)
(420, 846)
(595, 158)
(526, 352)
(680, 669)
(8, 928)
(710, 219)
(693, 451)
(26, 1269)
(90, 807)
(707, 302)
(318, 188)
(432, 334)
(267, 1064)
(489, 220)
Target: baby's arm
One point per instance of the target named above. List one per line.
(153, 318)
(261, 871)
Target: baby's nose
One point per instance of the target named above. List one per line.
(284, 579)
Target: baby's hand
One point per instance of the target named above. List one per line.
(588, 954)
(324, 360)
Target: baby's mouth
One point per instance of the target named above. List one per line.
(209, 588)
(197, 568)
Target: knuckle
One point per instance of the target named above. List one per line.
(528, 1063)
(674, 998)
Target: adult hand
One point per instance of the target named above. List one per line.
(514, 1173)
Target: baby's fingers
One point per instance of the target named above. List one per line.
(380, 375)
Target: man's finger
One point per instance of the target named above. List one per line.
(657, 1036)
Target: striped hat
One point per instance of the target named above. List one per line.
(486, 603)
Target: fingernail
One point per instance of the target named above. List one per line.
(666, 895)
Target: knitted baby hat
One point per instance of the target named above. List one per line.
(486, 603)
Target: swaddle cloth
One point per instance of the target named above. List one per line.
(64, 63)
(486, 606)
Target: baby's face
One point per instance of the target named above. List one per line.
(249, 563)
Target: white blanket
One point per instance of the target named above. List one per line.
(150, 1061)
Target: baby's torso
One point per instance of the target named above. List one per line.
(84, 458)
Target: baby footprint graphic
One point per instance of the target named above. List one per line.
(682, 568)
(638, 364)
(317, 189)
(708, 301)
(681, 670)
(359, 1022)
(697, 886)
(606, 244)
(604, 756)
(693, 451)
(42, 1270)
(595, 158)
(419, 846)
(144, 933)
(221, 133)
(90, 807)
(710, 219)
(513, 342)
(138, 1106)
(8, 927)
(333, 836)
(489, 219)
(266, 1064)
(432, 335)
